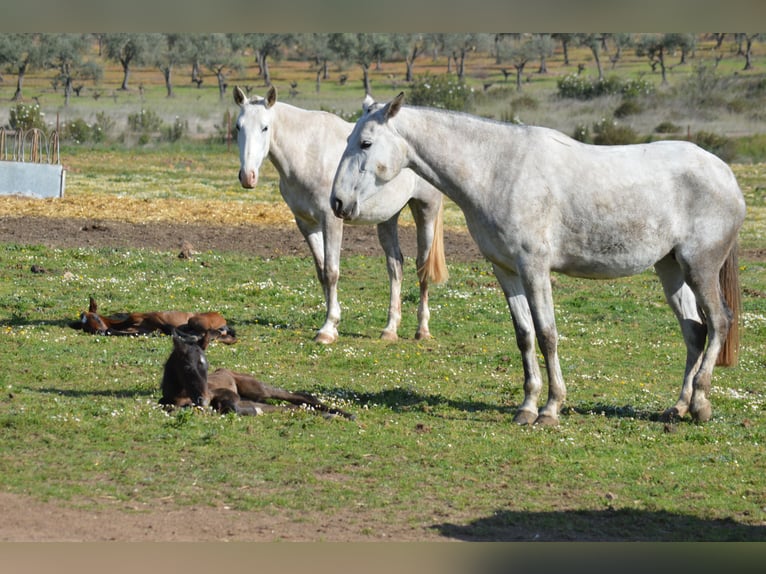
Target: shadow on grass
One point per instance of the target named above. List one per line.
(624, 525)
(135, 392)
(407, 400)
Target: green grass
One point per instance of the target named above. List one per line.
(433, 442)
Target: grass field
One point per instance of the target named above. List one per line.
(433, 445)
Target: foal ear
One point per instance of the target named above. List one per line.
(92, 306)
(393, 107)
(239, 96)
(271, 97)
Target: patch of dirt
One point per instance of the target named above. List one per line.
(259, 240)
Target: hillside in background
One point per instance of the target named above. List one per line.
(706, 91)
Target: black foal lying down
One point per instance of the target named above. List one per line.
(186, 382)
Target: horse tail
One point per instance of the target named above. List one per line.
(729, 281)
(434, 268)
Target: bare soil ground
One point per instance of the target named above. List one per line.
(28, 519)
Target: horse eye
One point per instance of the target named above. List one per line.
(265, 129)
(366, 144)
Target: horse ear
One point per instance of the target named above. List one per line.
(239, 96)
(271, 97)
(92, 306)
(367, 103)
(393, 107)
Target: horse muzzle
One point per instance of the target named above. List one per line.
(341, 210)
(248, 179)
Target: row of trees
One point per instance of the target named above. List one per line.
(72, 55)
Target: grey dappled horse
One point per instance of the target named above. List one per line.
(537, 201)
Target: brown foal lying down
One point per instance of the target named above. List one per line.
(146, 323)
(186, 382)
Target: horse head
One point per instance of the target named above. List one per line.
(253, 133)
(374, 155)
(184, 380)
(90, 321)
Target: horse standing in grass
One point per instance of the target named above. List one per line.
(305, 147)
(537, 201)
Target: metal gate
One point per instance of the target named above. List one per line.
(30, 164)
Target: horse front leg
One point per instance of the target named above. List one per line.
(315, 238)
(537, 285)
(525, 340)
(333, 236)
(388, 235)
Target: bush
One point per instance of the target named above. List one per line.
(176, 130)
(443, 91)
(583, 88)
(77, 131)
(609, 132)
(144, 122)
(628, 107)
(26, 117)
(721, 146)
(667, 127)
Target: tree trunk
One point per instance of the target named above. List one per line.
(366, 74)
(221, 83)
(19, 83)
(749, 54)
(167, 73)
(266, 72)
(519, 74)
(596, 57)
(125, 73)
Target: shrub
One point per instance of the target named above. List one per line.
(175, 131)
(583, 88)
(608, 132)
(443, 91)
(77, 131)
(582, 133)
(720, 145)
(27, 116)
(667, 127)
(146, 121)
(102, 127)
(628, 107)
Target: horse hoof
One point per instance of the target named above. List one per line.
(389, 336)
(702, 414)
(671, 415)
(325, 339)
(525, 418)
(422, 335)
(546, 421)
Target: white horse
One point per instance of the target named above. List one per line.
(537, 201)
(305, 146)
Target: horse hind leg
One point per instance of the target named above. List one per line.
(683, 303)
(432, 267)
(388, 236)
(704, 281)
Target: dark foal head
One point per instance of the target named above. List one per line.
(184, 381)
